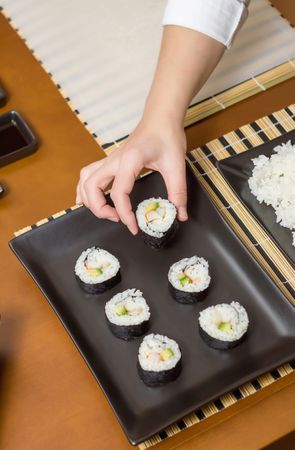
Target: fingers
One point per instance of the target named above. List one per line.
(96, 200)
(91, 192)
(84, 174)
(121, 189)
(99, 206)
(78, 195)
(174, 175)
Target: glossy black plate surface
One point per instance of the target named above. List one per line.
(49, 254)
(237, 170)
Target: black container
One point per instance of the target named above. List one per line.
(3, 96)
(16, 138)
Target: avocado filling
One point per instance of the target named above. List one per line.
(128, 309)
(167, 353)
(94, 272)
(154, 212)
(184, 279)
(225, 326)
(152, 207)
(121, 310)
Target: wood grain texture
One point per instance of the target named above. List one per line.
(48, 397)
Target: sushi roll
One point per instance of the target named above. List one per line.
(128, 314)
(97, 270)
(189, 279)
(156, 218)
(223, 326)
(159, 360)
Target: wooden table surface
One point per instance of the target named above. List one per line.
(48, 398)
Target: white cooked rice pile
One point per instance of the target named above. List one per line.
(149, 349)
(158, 228)
(273, 182)
(199, 270)
(234, 313)
(134, 301)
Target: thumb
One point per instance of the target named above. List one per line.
(175, 179)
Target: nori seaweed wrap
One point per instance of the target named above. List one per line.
(189, 279)
(97, 270)
(128, 314)
(159, 360)
(223, 326)
(156, 218)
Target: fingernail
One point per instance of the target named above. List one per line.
(133, 230)
(114, 219)
(182, 213)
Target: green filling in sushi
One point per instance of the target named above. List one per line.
(97, 270)
(121, 310)
(184, 279)
(156, 218)
(128, 314)
(159, 360)
(166, 354)
(223, 326)
(189, 279)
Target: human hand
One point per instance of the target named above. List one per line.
(156, 146)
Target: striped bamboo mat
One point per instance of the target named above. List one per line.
(223, 100)
(104, 72)
(265, 251)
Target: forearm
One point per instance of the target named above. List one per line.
(186, 60)
(195, 36)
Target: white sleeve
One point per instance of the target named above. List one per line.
(220, 19)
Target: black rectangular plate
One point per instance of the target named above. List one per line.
(49, 254)
(20, 141)
(237, 170)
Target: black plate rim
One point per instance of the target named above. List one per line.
(135, 440)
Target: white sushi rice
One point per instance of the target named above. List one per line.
(198, 269)
(210, 318)
(150, 348)
(158, 228)
(273, 182)
(96, 258)
(133, 300)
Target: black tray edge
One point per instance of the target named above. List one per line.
(135, 440)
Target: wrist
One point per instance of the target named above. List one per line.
(163, 128)
(158, 114)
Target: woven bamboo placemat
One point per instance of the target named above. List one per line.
(223, 100)
(265, 251)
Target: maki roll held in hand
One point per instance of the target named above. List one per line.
(156, 218)
(97, 270)
(189, 279)
(128, 314)
(223, 326)
(159, 360)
